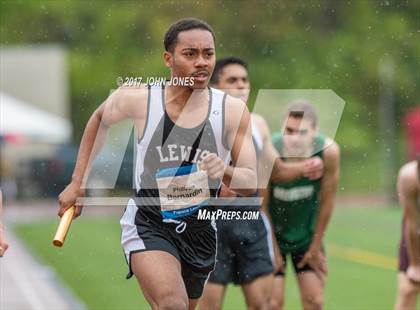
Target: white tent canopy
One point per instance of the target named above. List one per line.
(20, 118)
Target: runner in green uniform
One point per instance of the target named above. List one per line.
(300, 209)
(293, 207)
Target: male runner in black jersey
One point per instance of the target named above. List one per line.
(182, 131)
(243, 255)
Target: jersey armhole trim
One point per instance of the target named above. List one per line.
(224, 142)
(147, 116)
(162, 99)
(277, 141)
(210, 107)
(320, 141)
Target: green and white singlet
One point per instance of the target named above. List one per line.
(294, 205)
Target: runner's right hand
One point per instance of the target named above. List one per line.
(279, 264)
(278, 261)
(68, 198)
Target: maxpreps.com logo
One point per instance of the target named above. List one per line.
(204, 214)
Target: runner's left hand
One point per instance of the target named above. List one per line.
(313, 168)
(226, 192)
(3, 244)
(214, 166)
(316, 260)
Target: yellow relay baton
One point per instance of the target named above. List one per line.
(63, 227)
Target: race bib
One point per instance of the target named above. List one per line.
(182, 190)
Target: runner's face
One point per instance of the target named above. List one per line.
(233, 79)
(194, 56)
(298, 136)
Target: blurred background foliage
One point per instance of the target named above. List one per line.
(328, 44)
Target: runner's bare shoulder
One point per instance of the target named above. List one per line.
(261, 124)
(131, 101)
(331, 149)
(407, 177)
(235, 110)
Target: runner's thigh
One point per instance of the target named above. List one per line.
(159, 276)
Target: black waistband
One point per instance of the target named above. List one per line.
(152, 214)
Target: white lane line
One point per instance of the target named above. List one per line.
(14, 265)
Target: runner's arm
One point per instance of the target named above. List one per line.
(242, 176)
(116, 108)
(265, 194)
(406, 187)
(271, 166)
(329, 184)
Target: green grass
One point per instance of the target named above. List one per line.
(92, 263)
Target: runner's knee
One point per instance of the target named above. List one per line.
(172, 302)
(259, 301)
(259, 304)
(210, 304)
(276, 303)
(313, 302)
(206, 306)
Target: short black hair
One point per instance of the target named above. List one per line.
(184, 24)
(302, 108)
(222, 63)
